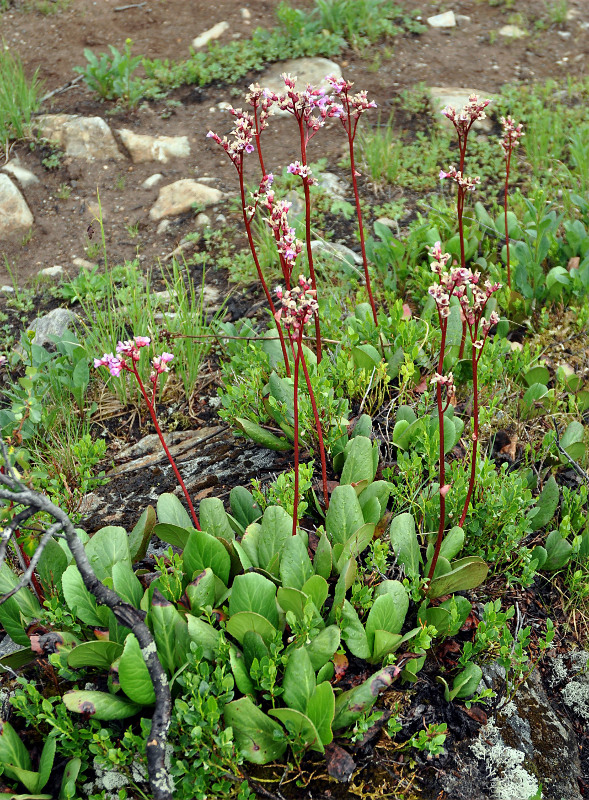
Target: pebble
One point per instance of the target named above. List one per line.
(89, 138)
(445, 20)
(181, 196)
(52, 272)
(209, 35)
(152, 181)
(15, 215)
(512, 32)
(24, 176)
(143, 148)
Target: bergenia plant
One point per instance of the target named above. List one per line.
(512, 133)
(349, 110)
(245, 132)
(463, 121)
(299, 306)
(126, 360)
(461, 283)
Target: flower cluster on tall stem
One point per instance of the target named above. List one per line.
(246, 130)
(512, 133)
(126, 360)
(463, 284)
(299, 306)
(463, 121)
(349, 110)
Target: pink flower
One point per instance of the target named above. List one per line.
(142, 341)
(3, 361)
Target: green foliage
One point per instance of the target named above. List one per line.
(110, 76)
(19, 98)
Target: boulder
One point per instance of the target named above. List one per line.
(181, 196)
(55, 323)
(80, 137)
(15, 215)
(24, 176)
(142, 147)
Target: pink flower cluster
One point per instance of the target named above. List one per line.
(299, 305)
(355, 105)
(471, 112)
(242, 135)
(130, 349)
(511, 134)
(296, 168)
(258, 99)
(464, 182)
(287, 244)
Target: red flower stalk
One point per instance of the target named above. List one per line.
(511, 135)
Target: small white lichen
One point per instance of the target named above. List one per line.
(509, 779)
(576, 696)
(149, 649)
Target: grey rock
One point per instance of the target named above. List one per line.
(15, 215)
(457, 96)
(90, 503)
(6, 289)
(462, 19)
(55, 323)
(142, 147)
(338, 251)
(209, 35)
(163, 227)
(7, 646)
(80, 137)
(152, 181)
(149, 449)
(180, 196)
(24, 176)
(202, 220)
(512, 32)
(246, 14)
(297, 207)
(82, 263)
(52, 272)
(390, 223)
(332, 185)
(445, 20)
(306, 70)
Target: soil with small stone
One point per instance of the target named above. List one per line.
(470, 54)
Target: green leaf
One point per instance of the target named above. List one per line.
(100, 705)
(170, 510)
(317, 589)
(353, 632)
(322, 562)
(466, 682)
(559, 552)
(214, 520)
(68, 781)
(344, 515)
(253, 592)
(298, 682)
(295, 564)
(537, 375)
(173, 534)
(254, 647)
(300, 728)
(384, 643)
(243, 506)
(201, 591)
(344, 582)
(51, 566)
(322, 648)
(101, 653)
(572, 442)
(261, 435)
(385, 615)
(356, 544)
(275, 532)
(12, 749)
(170, 632)
(321, 711)
(363, 427)
(133, 674)
(204, 635)
(354, 702)
(239, 624)
(359, 464)
(141, 534)
(404, 542)
(293, 600)
(240, 672)
(126, 584)
(546, 504)
(46, 762)
(81, 603)
(14, 622)
(258, 737)
(108, 546)
(204, 551)
(379, 490)
(366, 357)
(467, 573)
(24, 598)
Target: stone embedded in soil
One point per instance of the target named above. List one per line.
(149, 450)
(306, 70)
(80, 137)
(52, 272)
(445, 20)
(457, 96)
(152, 181)
(181, 196)
(212, 33)
(512, 32)
(332, 185)
(15, 215)
(202, 220)
(337, 251)
(24, 176)
(55, 323)
(143, 147)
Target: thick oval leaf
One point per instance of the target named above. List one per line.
(170, 632)
(12, 749)
(353, 632)
(258, 737)
(275, 532)
(239, 624)
(240, 672)
(387, 614)
(243, 506)
(344, 515)
(108, 546)
(300, 728)
(204, 551)
(214, 520)
(404, 542)
(24, 598)
(82, 604)
(546, 504)
(322, 560)
(298, 682)
(322, 648)
(133, 675)
(94, 654)
(204, 635)
(466, 682)
(356, 544)
(295, 564)
(51, 566)
(253, 592)
(261, 435)
(100, 705)
(383, 644)
(141, 534)
(558, 551)
(201, 591)
(321, 711)
(351, 704)
(359, 464)
(173, 534)
(468, 573)
(317, 589)
(126, 584)
(171, 510)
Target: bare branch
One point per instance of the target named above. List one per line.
(132, 618)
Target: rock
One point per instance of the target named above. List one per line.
(52, 272)
(223, 106)
(445, 20)
(564, 34)
(202, 220)
(512, 32)
(15, 216)
(390, 223)
(332, 185)
(181, 196)
(152, 181)
(55, 323)
(306, 70)
(462, 19)
(80, 137)
(246, 14)
(6, 289)
(142, 147)
(457, 96)
(7, 646)
(338, 251)
(24, 176)
(212, 33)
(82, 263)
(297, 206)
(163, 227)
(90, 503)
(149, 450)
